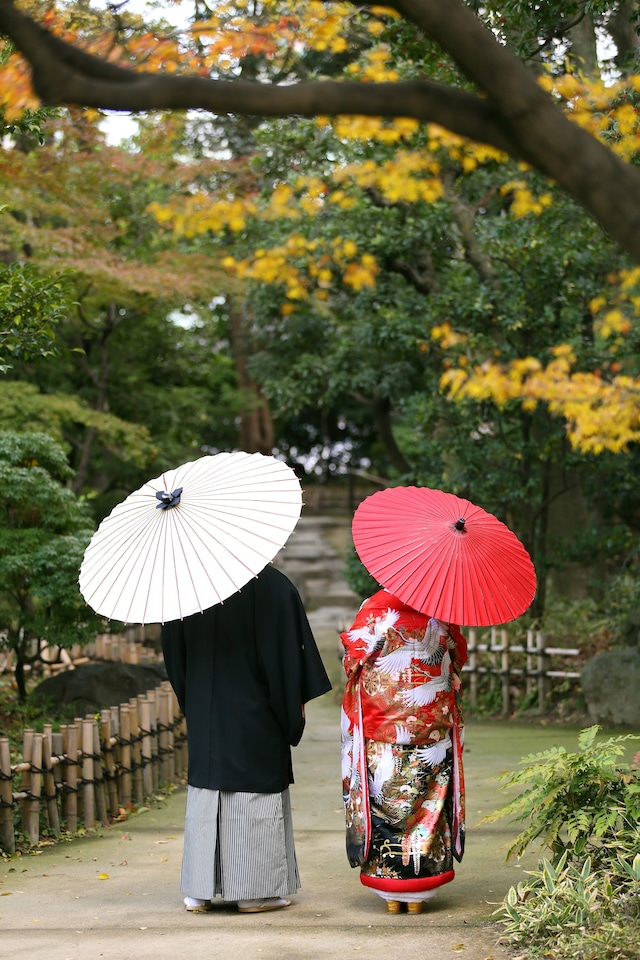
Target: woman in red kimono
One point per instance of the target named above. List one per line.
(402, 734)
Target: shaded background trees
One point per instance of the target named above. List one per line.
(357, 294)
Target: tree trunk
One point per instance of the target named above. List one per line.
(622, 25)
(385, 432)
(255, 433)
(18, 646)
(583, 53)
(100, 379)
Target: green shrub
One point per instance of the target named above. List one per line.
(564, 911)
(583, 902)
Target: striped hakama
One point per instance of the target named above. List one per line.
(238, 845)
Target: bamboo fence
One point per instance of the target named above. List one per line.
(523, 668)
(93, 769)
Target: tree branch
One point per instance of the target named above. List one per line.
(516, 116)
(63, 74)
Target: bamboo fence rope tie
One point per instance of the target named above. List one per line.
(27, 765)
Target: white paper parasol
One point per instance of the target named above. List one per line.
(190, 538)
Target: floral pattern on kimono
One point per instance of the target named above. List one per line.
(402, 734)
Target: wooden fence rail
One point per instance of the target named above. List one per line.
(91, 769)
(520, 667)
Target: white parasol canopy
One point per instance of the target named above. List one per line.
(190, 538)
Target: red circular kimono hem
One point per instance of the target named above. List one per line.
(393, 885)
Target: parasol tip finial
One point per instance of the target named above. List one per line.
(168, 499)
(459, 524)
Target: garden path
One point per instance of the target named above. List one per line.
(115, 895)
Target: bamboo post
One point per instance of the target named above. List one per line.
(541, 643)
(78, 721)
(25, 780)
(132, 652)
(163, 736)
(101, 800)
(173, 712)
(136, 751)
(60, 773)
(153, 726)
(126, 758)
(7, 834)
(109, 762)
(49, 783)
(72, 778)
(88, 779)
(35, 789)
(505, 670)
(492, 666)
(473, 669)
(57, 750)
(145, 731)
(531, 649)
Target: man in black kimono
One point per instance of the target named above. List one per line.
(242, 671)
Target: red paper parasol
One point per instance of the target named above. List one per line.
(443, 555)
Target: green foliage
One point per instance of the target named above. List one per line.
(585, 900)
(358, 577)
(31, 306)
(44, 531)
(24, 409)
(577, 804)
(569, 911)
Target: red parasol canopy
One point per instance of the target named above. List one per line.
(443, 555)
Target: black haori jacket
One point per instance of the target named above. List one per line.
(242, 671)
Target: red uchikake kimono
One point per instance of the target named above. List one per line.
(402, 735)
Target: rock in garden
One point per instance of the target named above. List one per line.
(611, 686)
(97, 686)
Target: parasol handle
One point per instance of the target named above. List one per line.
(459, 524)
